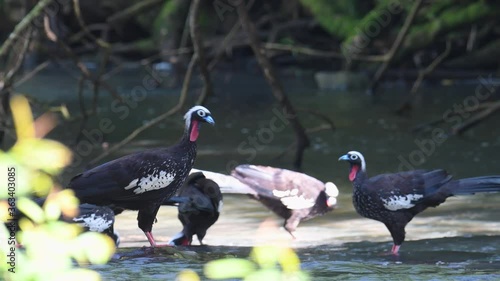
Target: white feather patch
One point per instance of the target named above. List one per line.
(175, 237)
(132, 184)
(331, 201)
(285, 193)
(297, 202)
(188, 114)
(94, 223)
(396, 202)
(290, 199)
(151, 182)
(331, 189)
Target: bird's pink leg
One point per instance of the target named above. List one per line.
(151, 240)
(395, 249)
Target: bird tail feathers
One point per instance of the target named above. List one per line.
(476, 185)
(228, 184)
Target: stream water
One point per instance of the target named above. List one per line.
(459, 240)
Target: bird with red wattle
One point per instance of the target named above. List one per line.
(394, 199)
(142, 181)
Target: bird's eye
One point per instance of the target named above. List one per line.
(201, 113)
(354, 157)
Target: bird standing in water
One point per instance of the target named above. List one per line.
(394, 199)
(142, 181)
(199, 208)
(291, 195)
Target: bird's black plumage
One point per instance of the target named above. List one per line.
(97, 219)
(394, 199)
(90, 217)
(199, 211)
(142, 181)
(291, 195)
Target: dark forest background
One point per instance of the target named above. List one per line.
(383, 39)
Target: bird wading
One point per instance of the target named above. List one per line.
(394, 199)
(142, 181)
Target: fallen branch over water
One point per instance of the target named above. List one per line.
(407, 105)
(478, 114)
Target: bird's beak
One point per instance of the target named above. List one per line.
(209, 120)
(344, 158)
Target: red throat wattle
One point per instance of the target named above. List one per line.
(353, 172)
(195, 131)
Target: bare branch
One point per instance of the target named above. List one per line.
(395, 46)
(303, 50)
(276, 87)
(156, 120)
(23, 24)
(223, 46)
(476, 119)
(8, 79)
(133, 10)
(407, 105)
(81, 22)
(31, 74)
(81, 66)
(198, 47)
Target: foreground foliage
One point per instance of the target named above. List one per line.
(49, 246)
(270, 262)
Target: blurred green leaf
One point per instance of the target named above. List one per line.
(187, 275)
(265, 256)
(265, 274)
(50, 245)
(23, 119)
(31, 210)
(289, 260)
(63, 202)
(21, 183)
(97, 248)
(38, 182)
(45, 155)
(276, 275)
(229, 268)
(52, 210)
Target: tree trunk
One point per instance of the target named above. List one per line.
(276, 87)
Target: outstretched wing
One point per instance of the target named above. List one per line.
(227, 184)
